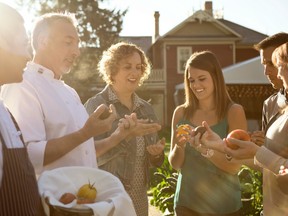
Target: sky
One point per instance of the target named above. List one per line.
(265, 16)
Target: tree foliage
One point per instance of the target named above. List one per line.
(98, 28)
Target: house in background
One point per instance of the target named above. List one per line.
(232, 43)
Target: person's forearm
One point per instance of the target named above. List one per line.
(220, 160)
(57, 148)
(104, 145)
(176, 157)
(269, 160)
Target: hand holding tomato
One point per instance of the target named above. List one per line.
(237, 134)
(183, 129)
(241, 149)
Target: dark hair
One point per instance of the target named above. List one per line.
(272, 41)
(207, 61)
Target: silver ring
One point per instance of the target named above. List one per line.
(209, 153)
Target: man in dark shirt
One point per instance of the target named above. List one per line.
(18, 185)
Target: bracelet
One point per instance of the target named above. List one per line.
(179, 147)
(228, 157)
(209, 153)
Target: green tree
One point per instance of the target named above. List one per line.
(98, 28)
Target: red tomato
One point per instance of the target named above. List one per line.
(67, 198)
(237, 134)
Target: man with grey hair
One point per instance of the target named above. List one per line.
(18, 186)
(56, 127)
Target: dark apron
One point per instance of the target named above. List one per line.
(19, 195)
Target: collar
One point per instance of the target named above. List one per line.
(282, 98)
(112, 97)
(37, 68)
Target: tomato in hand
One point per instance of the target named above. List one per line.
(237, 134)
(183, 129)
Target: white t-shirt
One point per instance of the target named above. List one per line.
(46, 108)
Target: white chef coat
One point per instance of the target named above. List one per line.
(46, 108)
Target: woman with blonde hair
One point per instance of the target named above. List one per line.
(128, 153)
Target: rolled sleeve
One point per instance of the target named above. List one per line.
(269, 160)
(36, 153)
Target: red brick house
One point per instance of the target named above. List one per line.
(232, 43)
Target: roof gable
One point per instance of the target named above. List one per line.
(249, 36)
(201, 24)
(144, 42)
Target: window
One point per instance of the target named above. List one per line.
(183, 54)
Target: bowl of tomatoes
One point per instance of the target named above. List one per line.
(83, 191)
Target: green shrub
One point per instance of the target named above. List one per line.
(163, 188)
(251, 187)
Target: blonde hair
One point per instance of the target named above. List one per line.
(280, 53)
(108, 66)
(44, 22)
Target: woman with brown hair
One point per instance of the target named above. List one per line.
(208, 183)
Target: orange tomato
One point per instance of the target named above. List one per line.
(237, 134)
(87, 192)
(183, 129)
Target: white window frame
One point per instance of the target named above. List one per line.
(183, 54)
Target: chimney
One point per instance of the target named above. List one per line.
(208, 7)
(156, 15)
